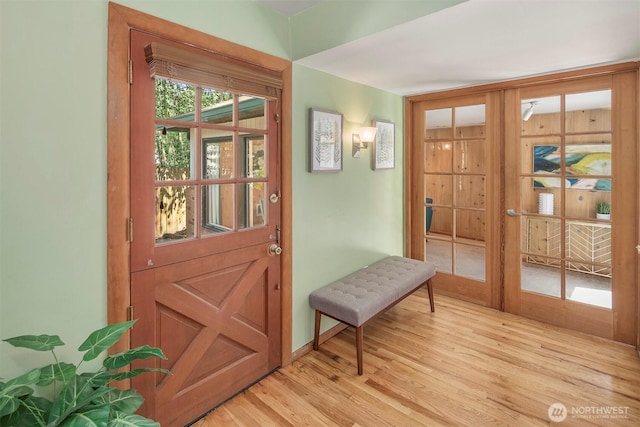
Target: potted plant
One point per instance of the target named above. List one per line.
(75, 398)
(603, 210)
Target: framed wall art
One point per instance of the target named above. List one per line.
(383, 153)
(325, 141)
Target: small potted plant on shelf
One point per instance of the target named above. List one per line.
(603, 210)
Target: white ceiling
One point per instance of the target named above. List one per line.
(483, 41)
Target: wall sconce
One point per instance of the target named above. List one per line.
(361, 140)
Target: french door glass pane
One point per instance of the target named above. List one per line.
(175, 213)
(438, 156)
(439, 252)
(470, 224)
(438, 188)
(469, 191)
(438, 124)
(588, 111)
(541, 116)
(542, 277)
(469, 156)
(591, 288)
(470, 121)
(470, 261)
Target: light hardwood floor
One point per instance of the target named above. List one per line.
(463, 365)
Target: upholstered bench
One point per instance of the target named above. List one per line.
(362, 295)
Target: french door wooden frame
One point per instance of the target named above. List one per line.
(627, 325)
(121, 21)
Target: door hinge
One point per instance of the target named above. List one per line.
(130, 312)
(130, 72)
(278, 234)
(130, 230)
(276, 117)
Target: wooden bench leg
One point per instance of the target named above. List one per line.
(359, 334)
(430, 289)
(316, 332)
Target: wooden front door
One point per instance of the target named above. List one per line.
(205, 211)
(571, 147)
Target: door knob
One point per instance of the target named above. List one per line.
(513, 212)
(275, 249)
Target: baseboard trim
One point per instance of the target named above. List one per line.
(323, 337)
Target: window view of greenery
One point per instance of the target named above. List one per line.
(175, 106)
(223, 207)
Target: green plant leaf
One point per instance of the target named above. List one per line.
(93, 416)
(56, 372)
(102, 339)
(36, 342)
(33, 412)
(123, 359)
(126, 420)
(126, 401)
(78, 393)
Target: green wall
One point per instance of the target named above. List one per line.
(53, 57)
(341, 221)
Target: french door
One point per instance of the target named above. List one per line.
(456, 162)
(205, 215)
(571, 156)
(505, 183)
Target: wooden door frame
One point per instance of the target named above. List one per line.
(121, 20)
(413, 209)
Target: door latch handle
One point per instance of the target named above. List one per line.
(513, 212)
(275, 249)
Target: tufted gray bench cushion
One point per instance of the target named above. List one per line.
(360, 296)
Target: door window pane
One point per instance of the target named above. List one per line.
(175, 213)
(217, 208)
(252, 112)
(253, 162)
(216, 106)
(438, 188)
(470, 121)
(437, 156)
(541, 116)
(173, 154)
(252, 204)
(438, 124)
(470, 261)
(541, 156)
(542, 277)
(469, 191)
(469, 156)
(174, 100)
(588, 111)
(589, 288)
(470, 224)
(439, 253)
(218, 158)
